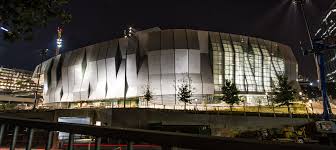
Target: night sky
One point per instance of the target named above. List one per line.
(101, 20)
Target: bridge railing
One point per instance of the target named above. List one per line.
(166, 140)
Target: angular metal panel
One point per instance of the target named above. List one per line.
(167, 39)
(167, 61)
(168, 84)
(65, 76)
(203, 39)
(111, 77)
(168, 74)
(155, 83)
(154, 41)
(47, 65)
(123, 46)
(112, 48)
(181, 61)
(192, 39)
(102, 72)
(196, 84)
(101, 85)
(154, 62)
(79, 70)
(154, 70)
(90, 78)
(53, 85)
(103, 49)
(131, 75)
(180, 39)
(143, 43)
(143, 78)
(194, 61)
(206, 74)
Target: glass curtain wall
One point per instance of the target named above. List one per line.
(248, 62)
(266, 68)
(257, 67)
(239, 61)
(228, 60)
(217, 66)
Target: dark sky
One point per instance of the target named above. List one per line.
(100, 20)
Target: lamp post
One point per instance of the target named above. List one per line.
(43, 54)
(319, 61)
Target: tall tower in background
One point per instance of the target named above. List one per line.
(59, 40)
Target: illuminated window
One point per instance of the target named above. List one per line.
(239, 62)
(217, 66)
(228, 63)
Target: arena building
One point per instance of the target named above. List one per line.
(122, 68)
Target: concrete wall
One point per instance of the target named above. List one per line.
(140, 118)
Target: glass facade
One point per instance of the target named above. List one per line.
(217, 66)
(15, 81)
(249, 63)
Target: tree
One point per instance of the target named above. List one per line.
(148, 94)
(284, 93)
(21, 16)
(185, 92)
(230, 94)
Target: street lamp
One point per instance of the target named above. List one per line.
(43, 54)
(319, 63)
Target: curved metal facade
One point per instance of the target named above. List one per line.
(161, 59)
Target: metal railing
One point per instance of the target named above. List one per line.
(166, 140)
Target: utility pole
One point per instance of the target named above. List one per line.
(318, 55)
(43, 54)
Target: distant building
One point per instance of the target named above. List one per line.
(328, 29)
(16, 82)
(120, 68)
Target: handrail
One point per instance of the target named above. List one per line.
(166, 139)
